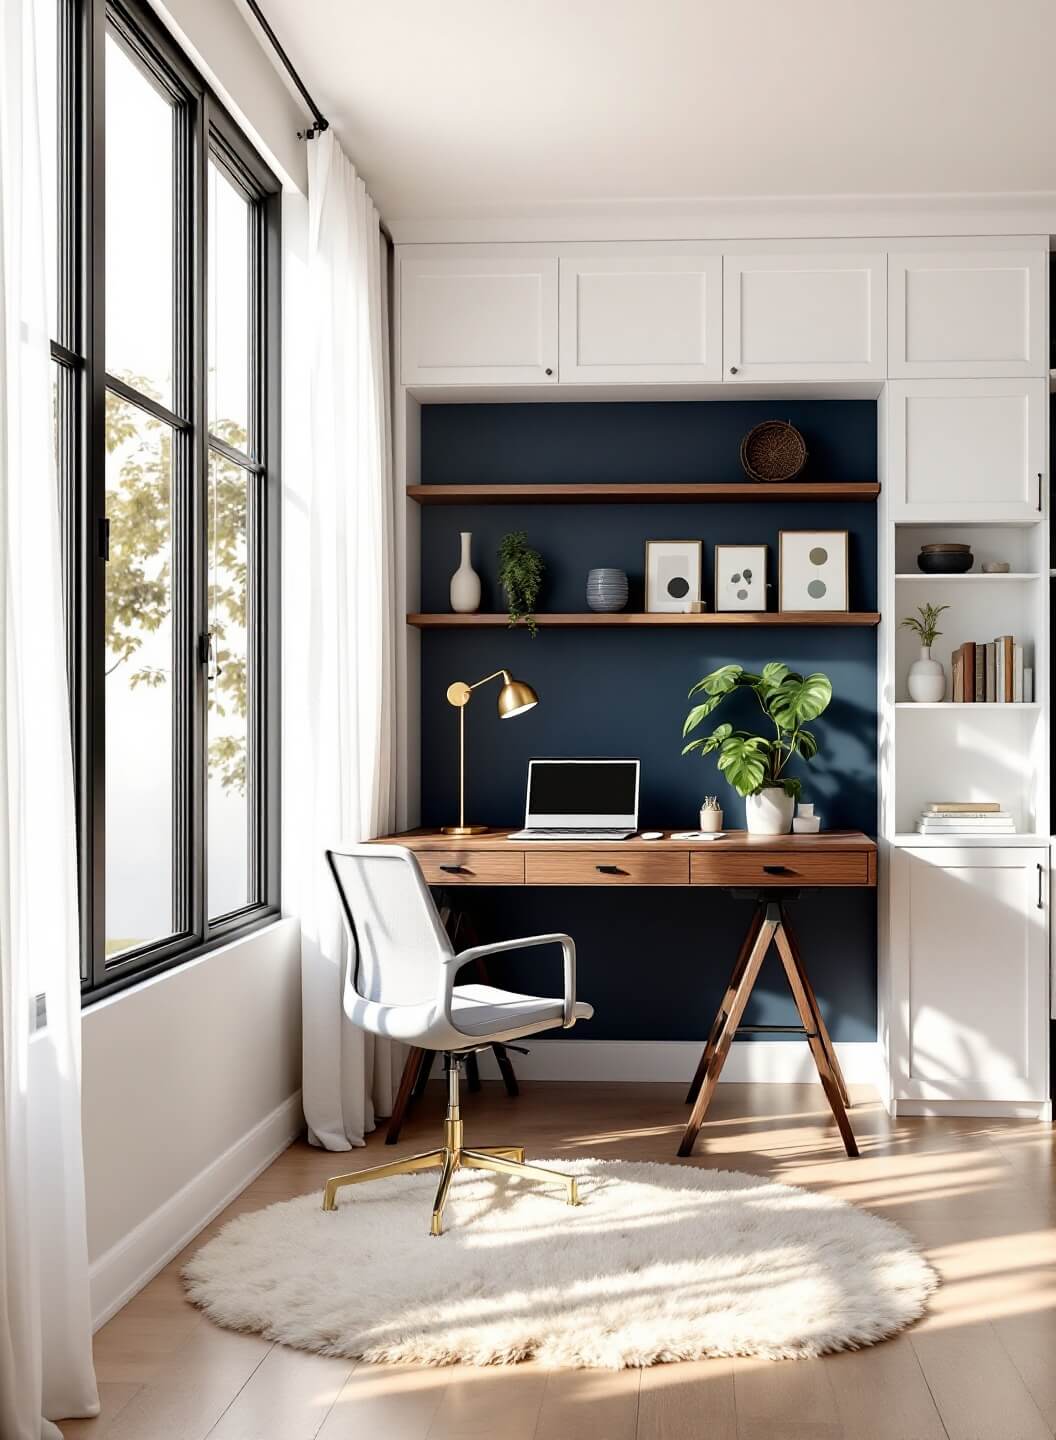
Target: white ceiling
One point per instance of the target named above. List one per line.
(470, 108)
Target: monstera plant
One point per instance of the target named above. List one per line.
(750, 762)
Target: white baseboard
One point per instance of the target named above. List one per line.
(987, 1109)
(126, 1267)
(761, 1061)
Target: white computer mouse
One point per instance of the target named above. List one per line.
(651, 835)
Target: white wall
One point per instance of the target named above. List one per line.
(191, 1085)
(224, 47)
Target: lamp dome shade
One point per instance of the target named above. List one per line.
(515, 698)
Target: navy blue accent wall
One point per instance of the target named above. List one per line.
(623, 691)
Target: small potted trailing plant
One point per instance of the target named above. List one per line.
(710, 815)
(927, 679)
(520, 575)
(755, 764)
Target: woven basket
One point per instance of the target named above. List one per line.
(774, 450)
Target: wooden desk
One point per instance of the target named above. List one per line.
(769, 866)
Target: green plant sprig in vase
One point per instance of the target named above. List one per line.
(521, 576)
(754, 764)
(926, 680)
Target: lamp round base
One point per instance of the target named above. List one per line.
(465, 830)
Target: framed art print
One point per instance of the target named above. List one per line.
(813, 570)
(740, 577)
(672, 575)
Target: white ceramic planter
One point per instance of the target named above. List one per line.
(770, 812)
(465, 582)
(927, 678)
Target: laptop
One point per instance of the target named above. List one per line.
(581, 800)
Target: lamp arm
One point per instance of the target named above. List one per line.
(493, 676)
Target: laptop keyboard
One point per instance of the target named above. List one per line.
(568, 832)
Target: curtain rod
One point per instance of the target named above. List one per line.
(320, 122)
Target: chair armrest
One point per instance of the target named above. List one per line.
(500, 947)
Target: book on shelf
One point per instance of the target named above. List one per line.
(962, 807)
(965, 817)
(991, 672)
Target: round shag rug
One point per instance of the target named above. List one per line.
(658, 1263)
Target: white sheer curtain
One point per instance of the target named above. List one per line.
(45, 1329)
(340, 633)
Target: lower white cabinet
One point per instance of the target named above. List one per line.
(969, 1012)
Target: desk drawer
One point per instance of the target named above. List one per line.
(606, 867)
(472, 867)
(781, 867)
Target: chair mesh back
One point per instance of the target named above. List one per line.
(397, 935)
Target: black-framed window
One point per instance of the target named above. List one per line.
(165, 350)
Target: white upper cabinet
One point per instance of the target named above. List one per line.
(967, 313)
(970, 937)
(479, 320)
(650, 313)
(967, 449)
(804, 317)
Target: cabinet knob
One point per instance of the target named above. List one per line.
(549, 371)
(733, 369)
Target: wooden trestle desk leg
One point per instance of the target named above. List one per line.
(419, 1062)
(768, 924)
(812, 1001)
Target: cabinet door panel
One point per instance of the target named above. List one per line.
(633, 318)
(967, 313)
(967, 449)
(976, 969)
(804, 317)
(478, 321)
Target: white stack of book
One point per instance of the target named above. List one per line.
(965, 817)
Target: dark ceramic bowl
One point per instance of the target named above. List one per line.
(945, 562)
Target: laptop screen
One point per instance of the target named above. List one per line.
(583, 792)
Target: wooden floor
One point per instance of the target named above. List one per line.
(979, 1195)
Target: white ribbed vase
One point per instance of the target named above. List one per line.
(926, 679)
(465, 582)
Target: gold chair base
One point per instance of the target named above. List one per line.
(452, 1156)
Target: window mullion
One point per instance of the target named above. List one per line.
(92, 591)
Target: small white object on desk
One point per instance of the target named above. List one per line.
(698, 835)
(806, 822)
(651, 835)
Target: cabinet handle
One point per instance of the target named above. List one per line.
(549, 371)
(733, 369)
(1039, 492)
(454, 869)
(1041, 874)
(776, 870)
(608, 869)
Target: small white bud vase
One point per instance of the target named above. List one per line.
(465, 582)
(769, 812)
(927, 678)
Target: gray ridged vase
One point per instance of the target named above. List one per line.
(606, 590)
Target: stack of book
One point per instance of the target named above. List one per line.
(965, 817)
(992, 672)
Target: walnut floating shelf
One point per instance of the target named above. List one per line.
(623, 617)
(636, 494)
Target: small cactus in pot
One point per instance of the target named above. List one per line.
(711, 814)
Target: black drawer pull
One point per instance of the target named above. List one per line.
(609, 870)
(777, 870)
(455, 869)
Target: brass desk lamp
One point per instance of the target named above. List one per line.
(514, 699)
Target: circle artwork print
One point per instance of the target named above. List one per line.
(818, 555)
(816, 589)
(678, 587)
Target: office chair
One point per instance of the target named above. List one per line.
(401, 983)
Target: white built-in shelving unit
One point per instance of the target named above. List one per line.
(951, 337)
